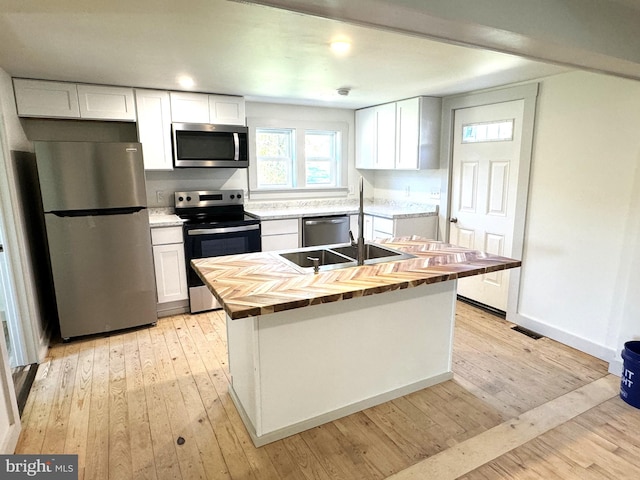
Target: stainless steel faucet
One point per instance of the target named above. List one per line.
(359, 244)
(361, 225)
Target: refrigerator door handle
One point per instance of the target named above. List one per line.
(95, 212)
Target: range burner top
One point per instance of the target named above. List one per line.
(211, 206)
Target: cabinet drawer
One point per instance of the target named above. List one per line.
(286, 241)
(166, 235)
(383, 225)
(279, 227)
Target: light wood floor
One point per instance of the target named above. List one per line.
(153, 403)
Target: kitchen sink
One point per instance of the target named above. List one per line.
(303, 258)
(340, 256)
(371, 251)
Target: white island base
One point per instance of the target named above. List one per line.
(300, 368)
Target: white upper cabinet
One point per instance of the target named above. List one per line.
(376, 137)
(37, 98)
(402, 135)
(386, 135)
(106, 103)
(203, 108)
(189, 107)
(153, 109)
(41, 98)
(408, 117)
(366, 134)
(226, 110)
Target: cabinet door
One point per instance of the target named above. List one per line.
(426, 226)
(171, 274)
(153, 109)
(386, 133)
(368, 227)
(226, 110)
(38, 98)
(407, 128)
(366, 138)
(382, 227)
(106, 103)
(189, 107)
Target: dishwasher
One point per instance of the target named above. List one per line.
(325, 230)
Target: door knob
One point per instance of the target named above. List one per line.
(453, 220)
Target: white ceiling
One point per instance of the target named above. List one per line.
(263, 53)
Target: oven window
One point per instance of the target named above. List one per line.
(194, 145)
(216, 247)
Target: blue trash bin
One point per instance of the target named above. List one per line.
(630, 380)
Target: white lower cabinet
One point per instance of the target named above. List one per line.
(169, 263)
(280, 234)
(426, 226)
(368, 227)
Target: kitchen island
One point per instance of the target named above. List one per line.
(305, 349)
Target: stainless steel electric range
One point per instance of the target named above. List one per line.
(216, 224)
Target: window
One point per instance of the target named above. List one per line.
(275, 152)
(301, 156)
(321, 158)
(488, 132)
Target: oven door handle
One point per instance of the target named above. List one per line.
(213, 231)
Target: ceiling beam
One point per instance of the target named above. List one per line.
(598, 35)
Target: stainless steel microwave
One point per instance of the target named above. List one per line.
(208, 145)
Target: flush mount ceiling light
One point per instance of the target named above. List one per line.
(340, 47)
(344, 91)
(186, 81)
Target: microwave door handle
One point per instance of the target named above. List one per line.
(213, 231)
(236, 143)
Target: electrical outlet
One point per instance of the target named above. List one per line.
(435, 195)
(160, 197)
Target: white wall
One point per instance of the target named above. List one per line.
(582, 231)
(33, 331)
(419, 186)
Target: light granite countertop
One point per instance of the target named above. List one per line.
(283, 210)
(164, 217)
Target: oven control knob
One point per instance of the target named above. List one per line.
(188, 199)
(239, 196)
(232, 197)
(180, 199)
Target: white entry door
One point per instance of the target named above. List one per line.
(486, 156)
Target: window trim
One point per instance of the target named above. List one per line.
(299, 126)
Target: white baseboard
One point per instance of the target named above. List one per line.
(615, 367)
(599, 351)
(279, 434)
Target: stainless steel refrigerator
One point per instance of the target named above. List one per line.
(97, 226)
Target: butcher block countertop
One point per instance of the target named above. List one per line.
(255, 284)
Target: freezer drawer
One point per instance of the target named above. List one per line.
(102, 272)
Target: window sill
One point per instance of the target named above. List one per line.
(298, 193)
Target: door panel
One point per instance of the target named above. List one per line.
(484, 182)
(469, 187)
